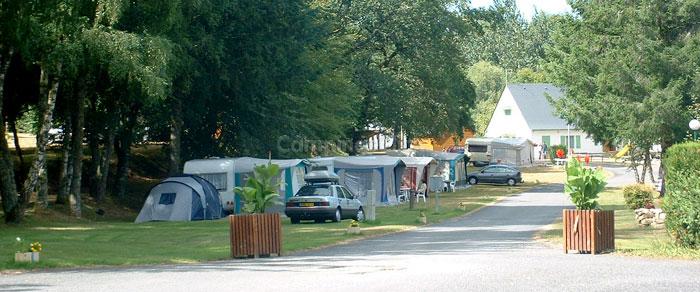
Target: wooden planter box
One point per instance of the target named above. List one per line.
(27, 257)
(354, 230)
(255, 235)
(589, 230)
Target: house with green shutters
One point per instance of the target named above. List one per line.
(523, 111)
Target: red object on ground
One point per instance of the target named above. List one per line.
(588, 159)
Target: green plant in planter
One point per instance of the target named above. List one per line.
(583, 185)
(260, 191)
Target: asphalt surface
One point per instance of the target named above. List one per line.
(490, 250)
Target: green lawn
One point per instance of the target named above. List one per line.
(630, 238)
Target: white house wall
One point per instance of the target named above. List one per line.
(587, 144)
(502, 125)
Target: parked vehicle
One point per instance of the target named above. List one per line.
(479, 151)
(496, 174)
(323, 199)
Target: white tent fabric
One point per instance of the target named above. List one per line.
(362, 173)
(180, 192)
(450, 165)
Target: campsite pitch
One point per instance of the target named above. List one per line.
(85, 243)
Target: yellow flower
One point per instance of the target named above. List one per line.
(35, 247)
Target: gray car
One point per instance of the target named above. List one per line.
(500, 174)
(322, 200)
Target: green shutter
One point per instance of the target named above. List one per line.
(563, 140)
(546, 141)
(578, 142)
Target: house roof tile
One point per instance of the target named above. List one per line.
(531, 98)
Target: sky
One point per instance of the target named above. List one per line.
(527, 7)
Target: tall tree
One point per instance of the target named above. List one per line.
(489, 82)
(628, 69)
(404, 58)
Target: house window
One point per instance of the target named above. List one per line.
(167, 199)
(546, 140)
(507, 112)
(573, 141)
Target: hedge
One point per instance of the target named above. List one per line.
(638, 196)
(682, 201)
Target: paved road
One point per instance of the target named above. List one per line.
(489, 250)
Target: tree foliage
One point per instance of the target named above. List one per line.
(628, 69)
(246, 77)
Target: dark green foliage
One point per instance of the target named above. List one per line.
(638, 196)
(629, 69)
(682, 199)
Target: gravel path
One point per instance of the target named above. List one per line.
(489, 250)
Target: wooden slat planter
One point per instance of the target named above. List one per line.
(589, 230)
(255, 235)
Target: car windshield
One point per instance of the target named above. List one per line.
(316, 190)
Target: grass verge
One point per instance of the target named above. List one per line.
(630, 238)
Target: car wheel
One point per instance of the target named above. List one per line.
(511, 182)
(338, 216)
(360, 216)
(294, 220)
(473, 180)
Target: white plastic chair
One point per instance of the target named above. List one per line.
(421, 192)
(403, 197)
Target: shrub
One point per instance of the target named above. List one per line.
(682, 198)
(638, 196)
(553, 151)
(583, 185)
(260, 191)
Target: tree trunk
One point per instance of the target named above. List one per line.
(77, 155)
(175, 137)
(124, 152)
(647, 161)
(95, 165)
(66, 165)
(122, 149)
(8, 188)
(37, 172)
(644, 169)
(18, 148)
(104, 173)
(634, 164)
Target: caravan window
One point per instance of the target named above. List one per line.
(167, 199)
(478, 148)
(216, 179)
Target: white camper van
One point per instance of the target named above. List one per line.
(220, 173)
(479, 151)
